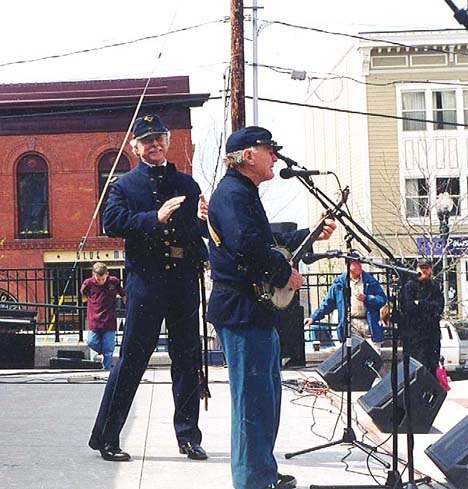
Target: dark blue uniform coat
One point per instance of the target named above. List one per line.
(245, 327)
(159, 285)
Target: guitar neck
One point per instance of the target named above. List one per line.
(304, 247)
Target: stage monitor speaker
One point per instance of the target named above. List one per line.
(450, 454)
(291, 333)
(426, 398)
(17, 338)
(365, 363)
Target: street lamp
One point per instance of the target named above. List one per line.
(444, 205)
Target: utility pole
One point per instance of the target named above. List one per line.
(255, 62)
(237, 65)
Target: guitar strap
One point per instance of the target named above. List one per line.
(214, 235)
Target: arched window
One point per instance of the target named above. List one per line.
(33, 197)
(104, 167)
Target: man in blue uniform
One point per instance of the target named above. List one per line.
(161, 215)
(241, 255)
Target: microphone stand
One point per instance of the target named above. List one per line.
(393, 477)
(349, 436)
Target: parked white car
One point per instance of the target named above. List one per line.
(454, 345)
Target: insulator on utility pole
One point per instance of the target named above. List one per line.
(237, 65)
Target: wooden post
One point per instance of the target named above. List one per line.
(237, 65)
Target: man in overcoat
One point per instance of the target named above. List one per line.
(161, 215)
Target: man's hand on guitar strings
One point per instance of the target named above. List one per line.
(295, 280)
(329, 225)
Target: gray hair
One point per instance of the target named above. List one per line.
(133, 142)
(236, 158)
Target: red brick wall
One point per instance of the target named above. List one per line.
(73, 189)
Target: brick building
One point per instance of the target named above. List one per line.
(58, 142)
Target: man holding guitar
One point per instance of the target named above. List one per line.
(242, 257)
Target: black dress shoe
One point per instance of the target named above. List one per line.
(114, 453)
(283, 482)
(288, 481)
(193, 451)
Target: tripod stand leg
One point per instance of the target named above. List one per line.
(371, 453)
(354, 486)
(307, 450)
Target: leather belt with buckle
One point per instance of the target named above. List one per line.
(175, 252)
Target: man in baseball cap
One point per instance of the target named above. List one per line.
(422, 304)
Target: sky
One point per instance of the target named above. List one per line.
(34, 29)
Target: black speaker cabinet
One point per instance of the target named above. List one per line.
(365, 362)
(17, 338)
(291, 333)
(450, 454)
(426, 397)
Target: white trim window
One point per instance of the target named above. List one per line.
(416, 197)
(452, 187)
(465, 106)
(413, 106)
(444, 109)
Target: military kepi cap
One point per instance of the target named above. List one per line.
(148, 124)
(424, 262)
(248, 137)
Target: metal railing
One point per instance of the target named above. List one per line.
(42, 290)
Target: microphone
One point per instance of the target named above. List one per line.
(290, 173)
(290, 162)
(309, 258)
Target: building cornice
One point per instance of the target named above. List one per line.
(93, 106)
(422, 38)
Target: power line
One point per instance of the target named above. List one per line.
(357, 112)
(333, 76)
(278, 101)
(107, 46)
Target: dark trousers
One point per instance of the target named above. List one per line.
(174, 297)
(426, 351)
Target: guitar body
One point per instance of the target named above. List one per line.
(277, 298)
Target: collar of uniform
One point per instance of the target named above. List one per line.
(230, 172)
(147, 169)
(163, 164)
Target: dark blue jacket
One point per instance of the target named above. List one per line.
(131, 213)
(246, 255)
(375, 299)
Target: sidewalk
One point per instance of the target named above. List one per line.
(46, 422)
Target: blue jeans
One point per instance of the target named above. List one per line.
(103, 343)
(253, 358)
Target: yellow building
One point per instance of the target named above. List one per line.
(394, 127)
